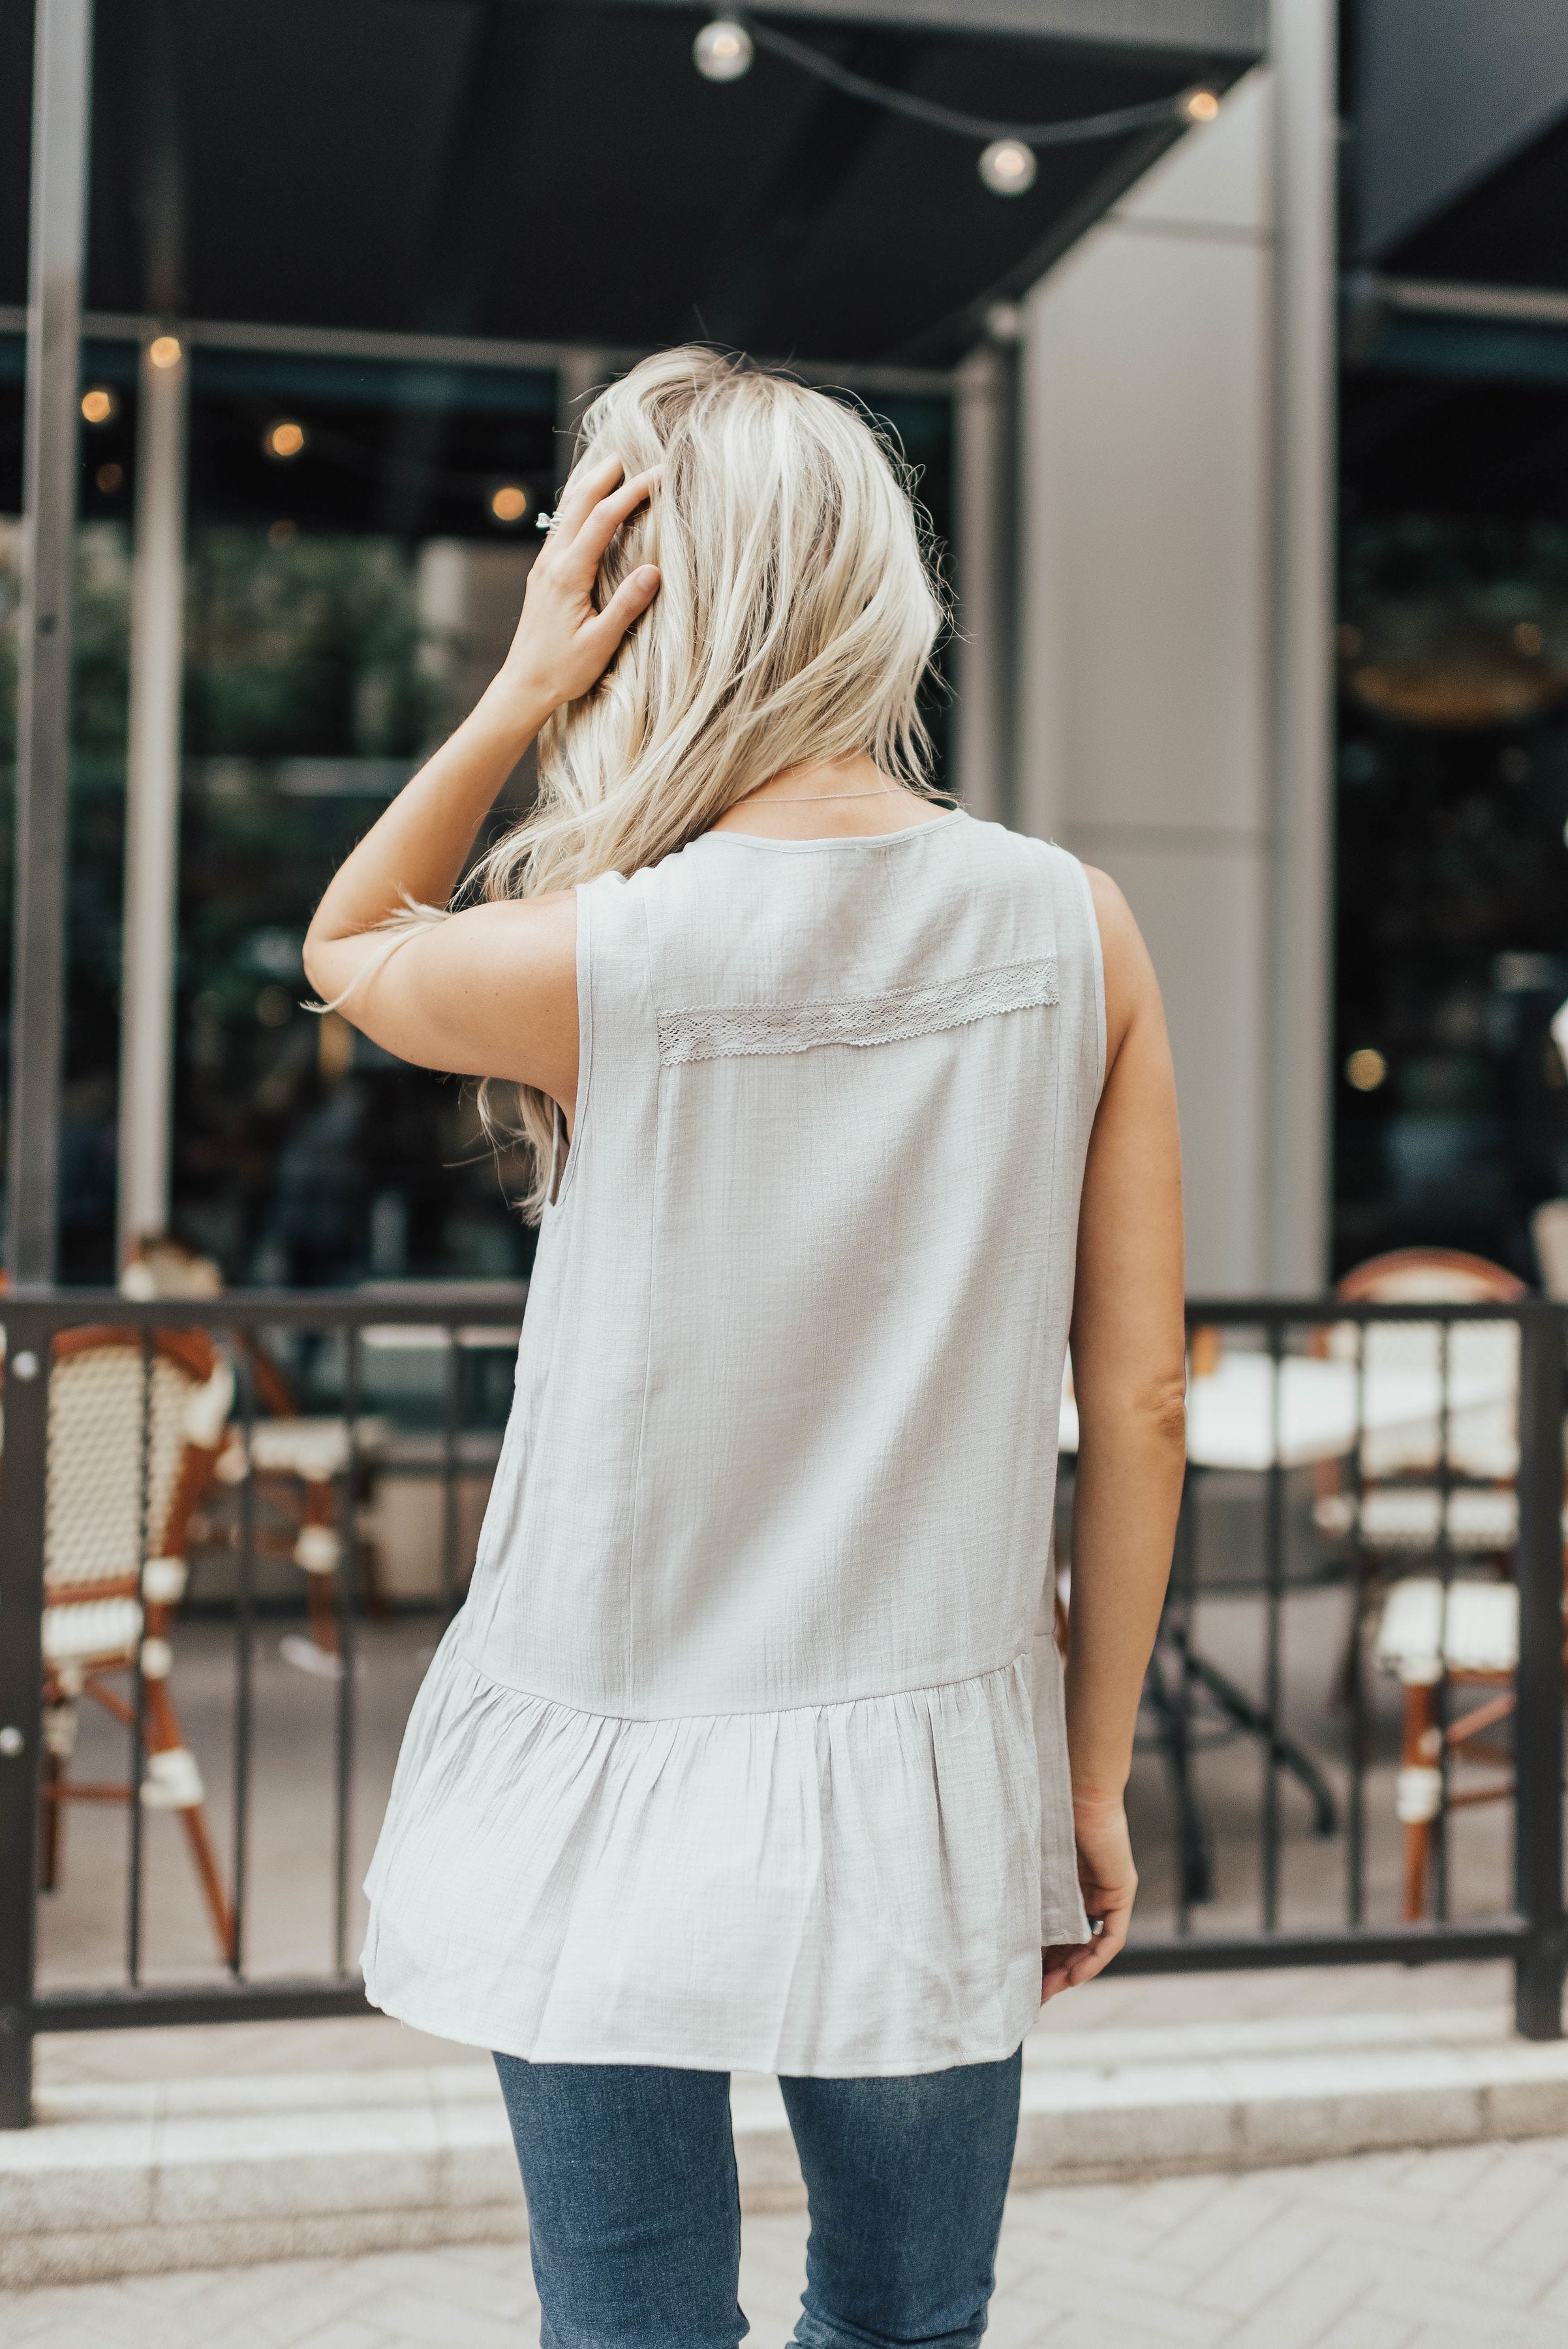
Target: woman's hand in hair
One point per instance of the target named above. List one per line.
(490, 991)
(564, 642)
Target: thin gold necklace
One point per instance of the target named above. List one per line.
(815, 799)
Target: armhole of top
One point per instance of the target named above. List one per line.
(563, 1168)
(1097, 963)
(557, 1151)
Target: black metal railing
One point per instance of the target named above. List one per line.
(1306, 1418)
(335, 1365)
(1305, 1468)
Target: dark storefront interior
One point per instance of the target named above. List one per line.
(346, 602)
(1451, 1101)
(360, 516)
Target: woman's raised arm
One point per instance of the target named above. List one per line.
(1129, 1378)
(491, 991)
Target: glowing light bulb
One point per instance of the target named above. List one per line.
(284, 440)
(1367, 1068)
(509, 502)
(166, 350)
(1199, 106)
(1008, 167)
(99, 405)
(723, 50)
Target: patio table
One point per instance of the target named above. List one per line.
(1312, 1409)
(1251, 1413)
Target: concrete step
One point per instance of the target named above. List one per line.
(123, 2179)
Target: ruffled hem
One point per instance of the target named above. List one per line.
(828, 1890)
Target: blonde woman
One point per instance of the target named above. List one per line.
(751, 1747)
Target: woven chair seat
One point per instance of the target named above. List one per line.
(317, 1450)
(93, 1631)
(1478, 1518)
(1423, 1631)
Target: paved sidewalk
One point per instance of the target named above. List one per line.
(1465, 2249)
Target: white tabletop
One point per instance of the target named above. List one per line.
(1231, 1419)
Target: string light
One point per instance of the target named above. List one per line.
(165, 350)
(508, 502)
(1008, 167)
(99, 405)
(723, 51)
(1367, 1068)
(284, 440)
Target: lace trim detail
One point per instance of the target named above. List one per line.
(719, 1031)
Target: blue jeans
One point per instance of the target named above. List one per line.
(635, 2215)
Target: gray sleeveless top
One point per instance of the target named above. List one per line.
(747, 1749)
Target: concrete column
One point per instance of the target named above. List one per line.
(152, 795)
(1146, 684)
(1299, 1174)
(56, 230)
(985, 555)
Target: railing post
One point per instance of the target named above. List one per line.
(21, 1691)
(1538, 1724)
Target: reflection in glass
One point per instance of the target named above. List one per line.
(358, 538)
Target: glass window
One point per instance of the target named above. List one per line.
(1451, 1099)
(100, 657)
(359, 543)
(358, 539)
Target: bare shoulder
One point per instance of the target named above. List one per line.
(491, 950)
(1117, 927)
(1131, 986)
(490, 991)
(544, 929)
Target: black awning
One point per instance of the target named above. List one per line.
(1507, 229)
(557, 170)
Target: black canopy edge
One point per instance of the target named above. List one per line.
(1236, 29)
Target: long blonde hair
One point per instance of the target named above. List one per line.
(798, 610)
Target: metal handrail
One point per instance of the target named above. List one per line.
(1531, 1935)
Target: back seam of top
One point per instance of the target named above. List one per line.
(633, 1545)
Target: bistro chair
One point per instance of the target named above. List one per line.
(1549, 1233)
(296, 1462)
(1438, 1485)
(155, 1265)
(134, 1437)
(298, 1466)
